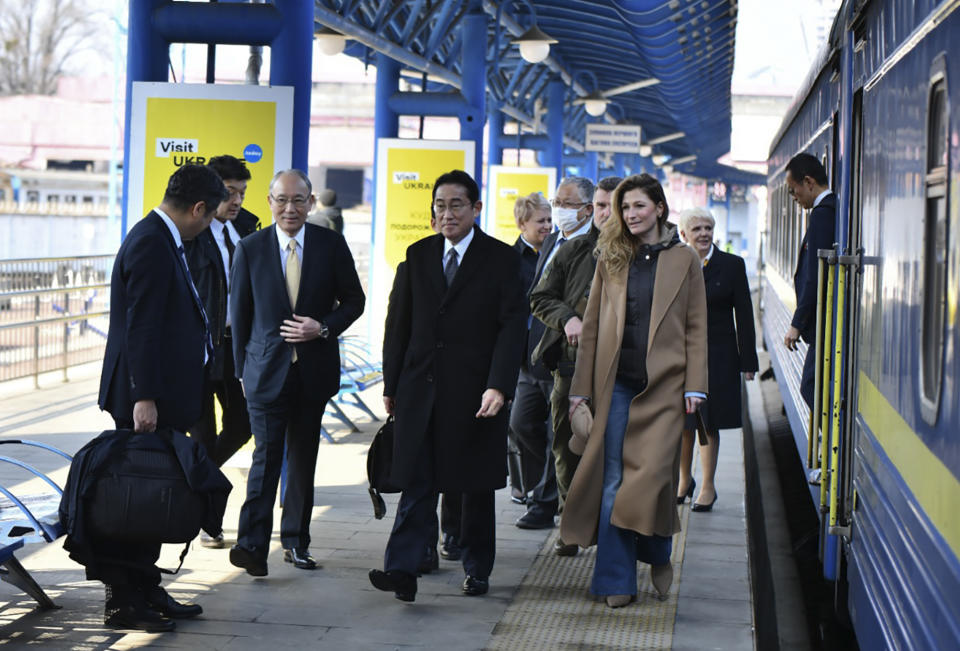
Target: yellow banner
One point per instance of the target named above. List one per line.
(410, 173)
(506, 184)
(191, 131)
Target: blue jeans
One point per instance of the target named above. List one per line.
(618, 550)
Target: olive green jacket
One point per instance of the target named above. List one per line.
(561, 294)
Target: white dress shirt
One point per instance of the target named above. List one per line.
(460, 246)
(217, 228)
(284, 241)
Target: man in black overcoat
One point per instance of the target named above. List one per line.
(450, 363)
(807, 184)
(153, 371)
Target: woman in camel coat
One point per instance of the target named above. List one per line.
(642, 363)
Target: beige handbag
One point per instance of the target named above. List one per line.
(581, 422)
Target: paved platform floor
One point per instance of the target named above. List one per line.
(537, 600)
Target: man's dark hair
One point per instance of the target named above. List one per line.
(229, 167)
(804, 165)
(194, 183)
(461, 178)
(609, 183)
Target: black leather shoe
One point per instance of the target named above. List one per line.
(139, 619)
(450, 549)
(300, 558)
(403, 585)
(247, 560)
(517, 496)
(701, 508)
(474, 587)
(535, 519)
(430, 561)
(160, 600)
(683, 498)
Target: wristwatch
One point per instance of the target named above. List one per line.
(324, 330)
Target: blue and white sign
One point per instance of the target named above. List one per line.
(252, 153)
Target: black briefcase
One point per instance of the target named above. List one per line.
(379, 466)
(142, 495)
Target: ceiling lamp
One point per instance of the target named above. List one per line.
(594, 103)
(330, 41)
(667, 169)
(645, 150)
(659, 159)
(534, 45)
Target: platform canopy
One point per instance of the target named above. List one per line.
(662, 64)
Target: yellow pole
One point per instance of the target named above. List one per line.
(826, 352)
(837, 365)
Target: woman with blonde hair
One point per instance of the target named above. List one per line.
(733, 350)
(642, 363)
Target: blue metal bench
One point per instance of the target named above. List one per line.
(28, 519)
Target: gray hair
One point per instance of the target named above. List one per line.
(690, 214)
(300, 173)
(584, 185)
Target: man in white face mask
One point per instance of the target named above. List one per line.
(571, 212)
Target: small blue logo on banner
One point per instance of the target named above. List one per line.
(252, 153)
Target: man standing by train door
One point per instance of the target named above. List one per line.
(807, 184)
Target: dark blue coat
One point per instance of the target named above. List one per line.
(329, 291)
(155, 344)
(819, 235)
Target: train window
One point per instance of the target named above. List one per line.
(934, 251)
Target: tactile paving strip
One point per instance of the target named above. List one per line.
(553, 608)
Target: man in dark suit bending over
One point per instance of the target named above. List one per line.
(153, 372)
(293, 290)
(807, 184)
(450, 362)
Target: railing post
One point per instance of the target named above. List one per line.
(36, 344)
(66, 334)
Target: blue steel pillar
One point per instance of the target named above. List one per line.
(386, 123)
(553, 155)
(494, 133)
(146, 61)
(619, 164)
(291, 64)
(473, 65)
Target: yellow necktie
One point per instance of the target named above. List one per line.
(293, 281)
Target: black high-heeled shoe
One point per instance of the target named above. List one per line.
(701, 508)
(683, 498)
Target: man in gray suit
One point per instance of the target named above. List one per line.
(293, 290)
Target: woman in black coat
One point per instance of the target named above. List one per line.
(731, 351)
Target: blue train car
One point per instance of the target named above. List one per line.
(881, 108)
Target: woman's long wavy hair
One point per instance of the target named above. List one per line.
(617, 246)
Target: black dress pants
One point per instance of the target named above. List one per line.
(531, 423)
(806, 377)
(293, 418)
(416, 521)
(235, 430)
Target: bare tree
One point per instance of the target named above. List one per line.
(37, 40)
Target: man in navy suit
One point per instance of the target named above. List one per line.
(451, 358)
(153, 370)
(807, 184)
(293, 290)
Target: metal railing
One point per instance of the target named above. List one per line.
(53, 314)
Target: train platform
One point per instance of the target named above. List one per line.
(537, 600)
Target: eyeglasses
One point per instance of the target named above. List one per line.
(568, 205)
(455, 207)
(281, 201)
